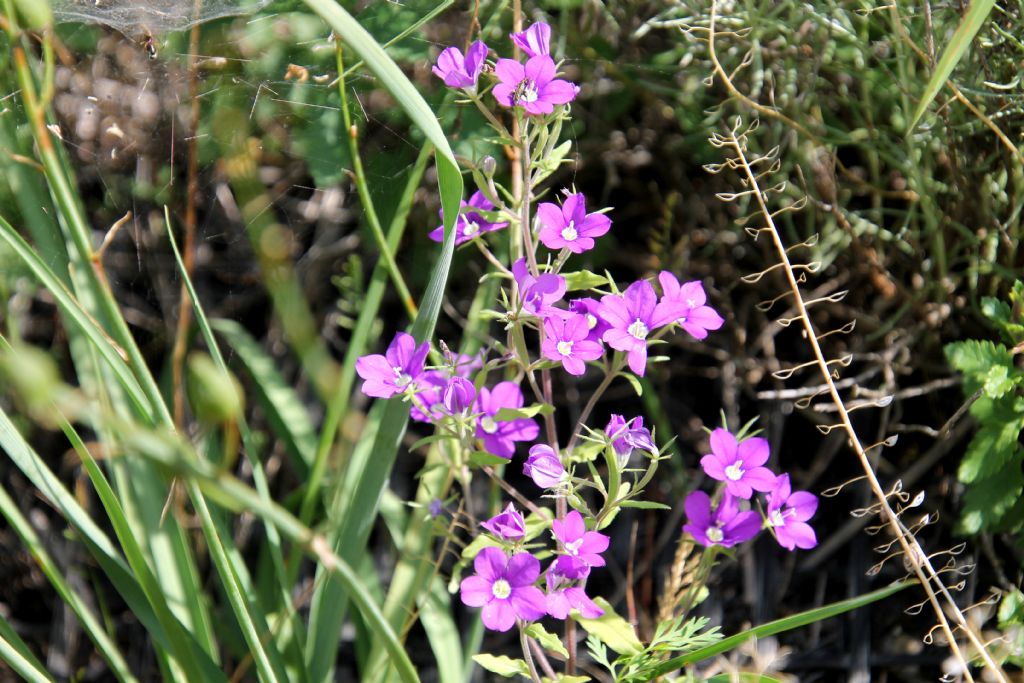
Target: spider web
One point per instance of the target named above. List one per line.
(158, 16)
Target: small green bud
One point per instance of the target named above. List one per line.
(214, 395)
(34, 14)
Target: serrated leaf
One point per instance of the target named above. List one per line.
(988, 501)
(502, 665)
(1011, 609)
(583, 279)
(547, 639)
(613, 630)
(999, 380)
(995, 445)
(509, 414)
(974, 358)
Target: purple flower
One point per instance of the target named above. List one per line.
(503, 586)
(435, 508)
(572, 533)
(726, 526)
(544, 467)
(566, 340)
(563, 595)
(533, 86)
(571, 226)
(739, 465)
(590, 308)
(788, 514)
(537, 293)
(399, 367)
(461, 72)
(458, 395)
(632, 317)
(627, 436)
(499, 437)
(535, 40)
(470, 223)
(698, 318)
(508, 524)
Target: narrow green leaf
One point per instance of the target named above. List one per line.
(780, 626)
(327, 611)
(974, 17)
(93, 629)
(583, 279)
(509, 414)
(546, 638)
(17, 655)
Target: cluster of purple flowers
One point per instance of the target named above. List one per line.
(625, 322)
(505, 580)
(740, 467)
(531, 85)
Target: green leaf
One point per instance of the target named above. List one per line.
(742, 677)
(550, 163)
(987, 502)
(583, 279)
(644, 505)
(547, 639)
(634, 381)
(503, 666)
(509, 414)
(999, 380)
(564, 678)
(779, 626)
(482, 458)
(1011, 609)
(975, 358)
(613, 630)
(974, 17)
(995, 445)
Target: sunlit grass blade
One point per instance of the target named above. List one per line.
(166, 630)
(15, 652)
(327, 616)
(228, 491)
(779, 626)
(974, 17)
(92, 627)
(233, 569)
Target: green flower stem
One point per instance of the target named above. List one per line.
(359, 177)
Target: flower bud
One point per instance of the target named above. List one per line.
(459, 395)
(214, 394)
(506, 525)
(488, 165)
(544, 467)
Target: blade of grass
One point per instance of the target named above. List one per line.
(170, 452)
(974, 17)
(238, 570)
(92, 627)
(779, 626)
(121, 576)
(327, 612)
(15, 652)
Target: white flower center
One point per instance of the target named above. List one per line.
(573, 548)
(488, 424)
(776, 518)
(690, 303)
(564, 348)
(402, 378)
(569, 232)
(734, 471)
(591, 321)
(501, 589)
(471, 227)
(715, 534)
(527, 91)
(638, 329)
